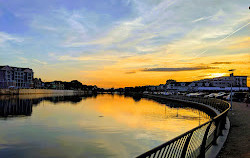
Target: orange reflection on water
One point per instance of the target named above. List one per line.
(149, 115)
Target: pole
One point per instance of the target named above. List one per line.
(231, 95)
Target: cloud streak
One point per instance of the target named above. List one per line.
(229, 35)
(222, 62)
(201, 19)
(4, 37)
(130, 72)
(178, 69)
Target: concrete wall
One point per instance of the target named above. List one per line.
(8, 91)
(39, 91)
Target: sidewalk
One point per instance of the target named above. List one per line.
(238, 141)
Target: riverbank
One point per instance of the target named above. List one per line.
(238, 141)
(40, 91)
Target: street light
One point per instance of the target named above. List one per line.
(231, 95)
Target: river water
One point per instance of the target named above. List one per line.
(41, 126)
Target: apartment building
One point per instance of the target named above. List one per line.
(218, 83)
(226, 81)
(16, 77)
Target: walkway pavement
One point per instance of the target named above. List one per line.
(238, 141)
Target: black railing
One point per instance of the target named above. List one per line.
(197, 141)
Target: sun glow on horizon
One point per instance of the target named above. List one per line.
(214, 75)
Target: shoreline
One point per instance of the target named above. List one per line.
(41, 91)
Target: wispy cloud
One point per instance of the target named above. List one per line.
(227, 36)
(221, 62)
(4, 37)
(202, 18)
(86, 58)
(235, 31)
(96, 57)
(22, 60)
(39, 62)
(130, 72)
(178, 69)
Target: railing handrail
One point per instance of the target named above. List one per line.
(217, 118)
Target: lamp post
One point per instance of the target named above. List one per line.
(231, 94)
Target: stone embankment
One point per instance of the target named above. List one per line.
(40, 91)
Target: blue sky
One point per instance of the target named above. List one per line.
(85, 40)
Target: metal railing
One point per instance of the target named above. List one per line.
(197, 141)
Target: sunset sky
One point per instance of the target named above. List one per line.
(118, 43)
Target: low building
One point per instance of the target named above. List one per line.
(178, 86)
(128, 89)
(38, 83)
(54, 85)
(161, 87)
(16, 77)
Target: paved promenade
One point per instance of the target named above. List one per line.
(238, 141)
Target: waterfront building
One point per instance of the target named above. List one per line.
(177, 86)
(161, 87)
(16, 77)
(239, 83)
(59, 85)
(38, 83)
(152, 88)
(225, 81)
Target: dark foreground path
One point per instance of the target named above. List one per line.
(238, 141)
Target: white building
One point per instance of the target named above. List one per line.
(239, 83)
(224, 82)
(177, 86)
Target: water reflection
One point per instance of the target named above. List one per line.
(15, 107)
(89, 126)
(204, 113)
(21, 105)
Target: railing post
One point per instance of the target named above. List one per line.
(214, 142)
(220, 128)
(222, 124)
(185, 147)
(203, 144)
(224, 120)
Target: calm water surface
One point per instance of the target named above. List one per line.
(77, 127)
